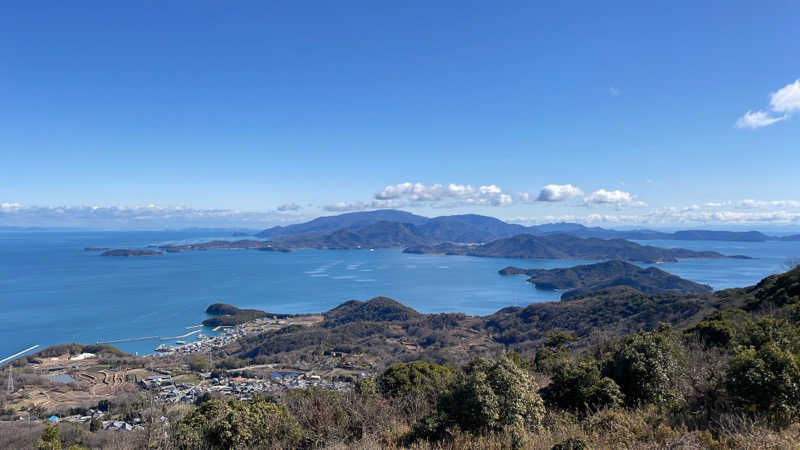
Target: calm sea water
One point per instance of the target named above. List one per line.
(51, 291)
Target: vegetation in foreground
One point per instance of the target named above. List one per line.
(728, 379)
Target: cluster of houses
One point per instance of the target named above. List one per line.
(241, 388)
(96, 414)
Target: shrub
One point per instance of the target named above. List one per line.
(714, 333)
(646, 366)
(571, 444)
(580, 386)
(418, 377)
(49, 439)
(219, 424)
(766, 330)
(766, 380)
(490, 396)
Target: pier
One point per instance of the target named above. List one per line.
(148, 338)
(179, 337)
(119, 341)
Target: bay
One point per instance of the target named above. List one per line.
(51, 291)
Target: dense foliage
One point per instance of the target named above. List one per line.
(219, 424)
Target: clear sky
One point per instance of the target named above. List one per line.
(256, 113)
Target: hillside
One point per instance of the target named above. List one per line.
(584, 279)
(381, 234)
(561, 246)
(330, 224)
(388, 331)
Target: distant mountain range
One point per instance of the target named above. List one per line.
(581, 280)
(473, 228)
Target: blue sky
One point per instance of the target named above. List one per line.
(270, 112)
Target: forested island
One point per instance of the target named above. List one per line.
(588, 278)
(561, 246)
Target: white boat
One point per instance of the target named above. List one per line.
(162, 348)
(180, 342)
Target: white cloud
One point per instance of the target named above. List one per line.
(616, 197)
(558, 192)
(785, 100)
(614, 91)
(291, 206)
(758, 119)
(453, 194)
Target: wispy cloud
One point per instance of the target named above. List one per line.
(758, 119)
(614, 91)
(782, 104)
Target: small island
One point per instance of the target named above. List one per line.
(130, 252)
(579, 280)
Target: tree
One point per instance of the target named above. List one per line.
(219, 424)
(646, 366)
(580, 386)
(553, 352)
(491, 395)
(766, 380)
(49, 439)
(418, 377)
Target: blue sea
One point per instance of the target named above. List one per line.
(52, 291)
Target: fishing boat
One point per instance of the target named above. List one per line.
(180, 342)
(162, 348)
